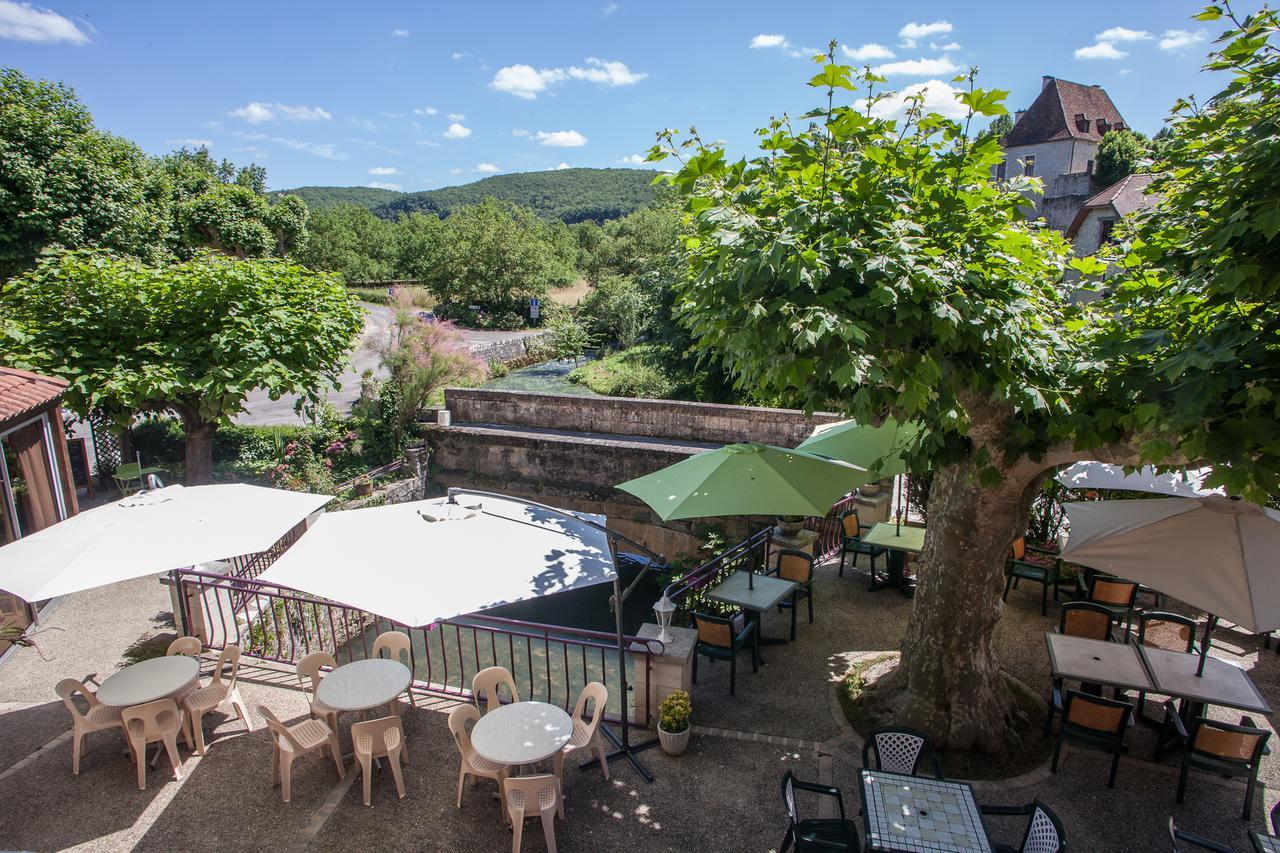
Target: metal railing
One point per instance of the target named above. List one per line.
(550, 663)
(830, 533)
(750, 553)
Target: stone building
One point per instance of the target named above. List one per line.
(1056, 139)
(1094, 222)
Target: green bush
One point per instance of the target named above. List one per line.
(674, 711)
(641, 371)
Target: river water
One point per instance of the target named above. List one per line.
(549, 377)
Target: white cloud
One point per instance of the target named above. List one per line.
(527, 82)
(918, 67)
(1122, 34)
(561, 166)
(1101, 50)
(770, 40)
(1172, 40)
(188, 142)
(519, 132)
(363, 124)
(868, 51)
(607, 73)
(488, 168)
(457, 117)
(327, 150)
(951, 45)
(258, 112)
(457, 54)
(633, 159)
(425, 111)
(255, 151)
(914, 30)
(457, 131)
(455, 171)
(939, 98)
(24, 22)
(400, 33)
(609, 9)
(384, 170)
(430, 142)
(561, 138)
(384, 185)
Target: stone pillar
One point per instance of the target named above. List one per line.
(672, 670)
(873, 509)
(196, 626)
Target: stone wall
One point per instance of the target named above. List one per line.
(512, 349)
(682, 421)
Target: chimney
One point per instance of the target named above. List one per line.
(1017, 116)
(1045, 81)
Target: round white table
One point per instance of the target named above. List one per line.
(522, 733)
(149, 680)
(364, 684)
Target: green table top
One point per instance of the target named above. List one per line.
(909, 539)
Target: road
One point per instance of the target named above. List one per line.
(261, 409)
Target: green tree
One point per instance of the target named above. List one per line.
(999, 127)
(352, 242)
(568, 337)
(65, 184)
(496, 255)
(192, 338)
(869, 265)
(616, 311)
(419, 240)
(1120, 153)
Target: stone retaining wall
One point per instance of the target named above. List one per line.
(513, 349)
(707, 422)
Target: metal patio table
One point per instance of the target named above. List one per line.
(901, 541)
(1223, 683)
(918, 814)
(1097, 662)
(755, 594)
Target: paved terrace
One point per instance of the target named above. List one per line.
(722, 795)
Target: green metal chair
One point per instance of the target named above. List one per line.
(1095, 721)
(128, 473)
(1217, 747)
(809, 834)
(795, 565)
(1029, 563)
(851, 530)
(720, 639)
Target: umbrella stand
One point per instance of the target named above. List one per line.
(624, 748)
(1204, 643)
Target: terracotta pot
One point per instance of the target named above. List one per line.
(872, 488)
(364, 487)
(673, 743)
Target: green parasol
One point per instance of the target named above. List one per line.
(878, 449)
(746, 479)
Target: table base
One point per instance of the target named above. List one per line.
(897, 576)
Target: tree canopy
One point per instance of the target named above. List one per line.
(351, 241)
(1120, 154)
(193, 337)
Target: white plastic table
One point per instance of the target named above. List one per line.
(364, 684)
(149, 680)
(522, 733)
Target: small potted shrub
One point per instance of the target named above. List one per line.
(790, 525)
(673, 722)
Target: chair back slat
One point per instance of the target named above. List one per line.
(713, 633)
(1231, 745)
(1083, 711)
(852, 527)
(1106, 591)
(1086, 623)
(1019, 548)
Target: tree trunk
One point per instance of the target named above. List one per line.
(948, 682)
(199, 449)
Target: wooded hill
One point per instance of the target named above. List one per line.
(570, 195)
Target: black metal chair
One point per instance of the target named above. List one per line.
(1217, 747)
(1044, 832)
(720, 639)
(851, 542)
(1178, 836)
(900, 750)
(1029, 563)
(1092, 720)
(816, 834)
(795, 565)
(1170, 631)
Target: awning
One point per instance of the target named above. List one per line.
(1104, 475)
(422, 562)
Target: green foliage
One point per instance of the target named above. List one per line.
(352, 242)
(318, 199)
(675, 711)
(999, 127)
(376, 416)
(495, 255)
(616, 311)
(419, 239)
(642, 371)
(1194, 339)
(1120, 153)
(569, 195)
(65, 184)
(568, 338)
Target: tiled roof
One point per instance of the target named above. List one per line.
(1125, 196)
(1065, 110)
(22, 392)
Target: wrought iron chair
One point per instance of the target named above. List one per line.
(900, 750)
(718, 640)
(1027, 562)
(851, 541)
(1095, 721)
(795, 565)
(1177, 836)
(1044, 832)
(813, 834)
(1217, 747)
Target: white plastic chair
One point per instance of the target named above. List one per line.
(521, 795)
(471, 762)
(160, 720)
(98, 717)
(204, 699)
(381, 738)
(293, 741)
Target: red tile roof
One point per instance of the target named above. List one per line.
(1065, 110)
(1125, 196)
(22, 393)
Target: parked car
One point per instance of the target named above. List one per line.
(427, 316)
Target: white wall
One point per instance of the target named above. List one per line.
(1060, 157)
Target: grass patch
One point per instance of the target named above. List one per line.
(641, 371)
(571, 295)
(1028, 710)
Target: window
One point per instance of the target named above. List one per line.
(29, 479)
(1000, 171)
(1029, 165)
(1088, 168)
(1106, 226)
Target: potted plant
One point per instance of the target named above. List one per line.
(673, 722)
(790, 525)
(362, 487)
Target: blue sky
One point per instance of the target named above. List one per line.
(420, 95)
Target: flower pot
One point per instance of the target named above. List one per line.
(789, 527)
(872, 488)
(673, 743)
(362, 488)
